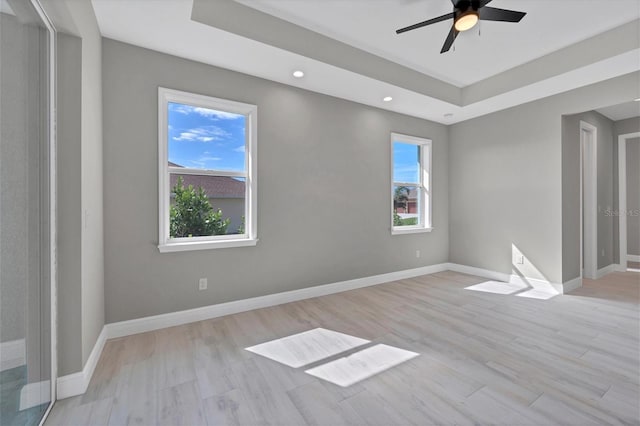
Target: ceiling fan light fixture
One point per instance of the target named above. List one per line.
(466, 20)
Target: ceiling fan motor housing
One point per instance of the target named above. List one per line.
(463, 6)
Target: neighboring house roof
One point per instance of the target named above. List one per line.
(214, 186)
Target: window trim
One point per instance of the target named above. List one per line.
(426, 192)
(167, 244)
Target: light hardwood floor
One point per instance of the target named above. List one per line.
(483, 359)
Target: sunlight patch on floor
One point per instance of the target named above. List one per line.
(361, 365)
(515, 289)
(308, 347)
(497, 287)
(320, 344)
(538, 294)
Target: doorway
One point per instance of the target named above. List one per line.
(628, 194)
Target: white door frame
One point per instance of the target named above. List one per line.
(53, 261)
(588, 200)
(622, 195)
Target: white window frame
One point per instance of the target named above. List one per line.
(249, 238)
(424, 185)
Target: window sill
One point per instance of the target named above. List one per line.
(206, 245)
(396, 231)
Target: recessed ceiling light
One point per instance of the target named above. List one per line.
(298, 74)
(448, 115)
(387, 99)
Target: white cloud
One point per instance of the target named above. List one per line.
(204, 112)
(220, 115)
(203, 134)
(202, 161)
(240, 149)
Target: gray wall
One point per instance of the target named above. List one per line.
(24, 212)
(23, 206)
(606, 176)
(81, 197)
(326, 159)
(69, 208)
(13, 179)
(633, 196)
(630, 125)
(92, 175)
(508, 179)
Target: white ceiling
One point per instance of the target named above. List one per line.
(505, 66)
(621, 111)
(5, 7)
(370, 25)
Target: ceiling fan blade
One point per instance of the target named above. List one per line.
(483, 3)
(449, 41)
(503, 15)
(425, 23)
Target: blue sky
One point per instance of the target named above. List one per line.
(405, 162)
(202, 138)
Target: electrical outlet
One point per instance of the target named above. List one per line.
(520, 259)
(202, 284)
(602, 252)
(417, 253)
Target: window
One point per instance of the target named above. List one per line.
(410, 184)
(207, 172)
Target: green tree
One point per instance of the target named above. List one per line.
(397, 220)
(241, 227)
(401, 197)
(192, 215)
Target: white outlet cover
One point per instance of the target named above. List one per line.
(202, 284)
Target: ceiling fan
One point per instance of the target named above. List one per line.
(466, 14)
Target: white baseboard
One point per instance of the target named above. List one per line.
(12, 354)
(633, 257)
(517, 279)
(571, 285)
(537, 283)
(606, 270)
(485, 273)
(141, 325)
(77, 383)
(34, 394)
